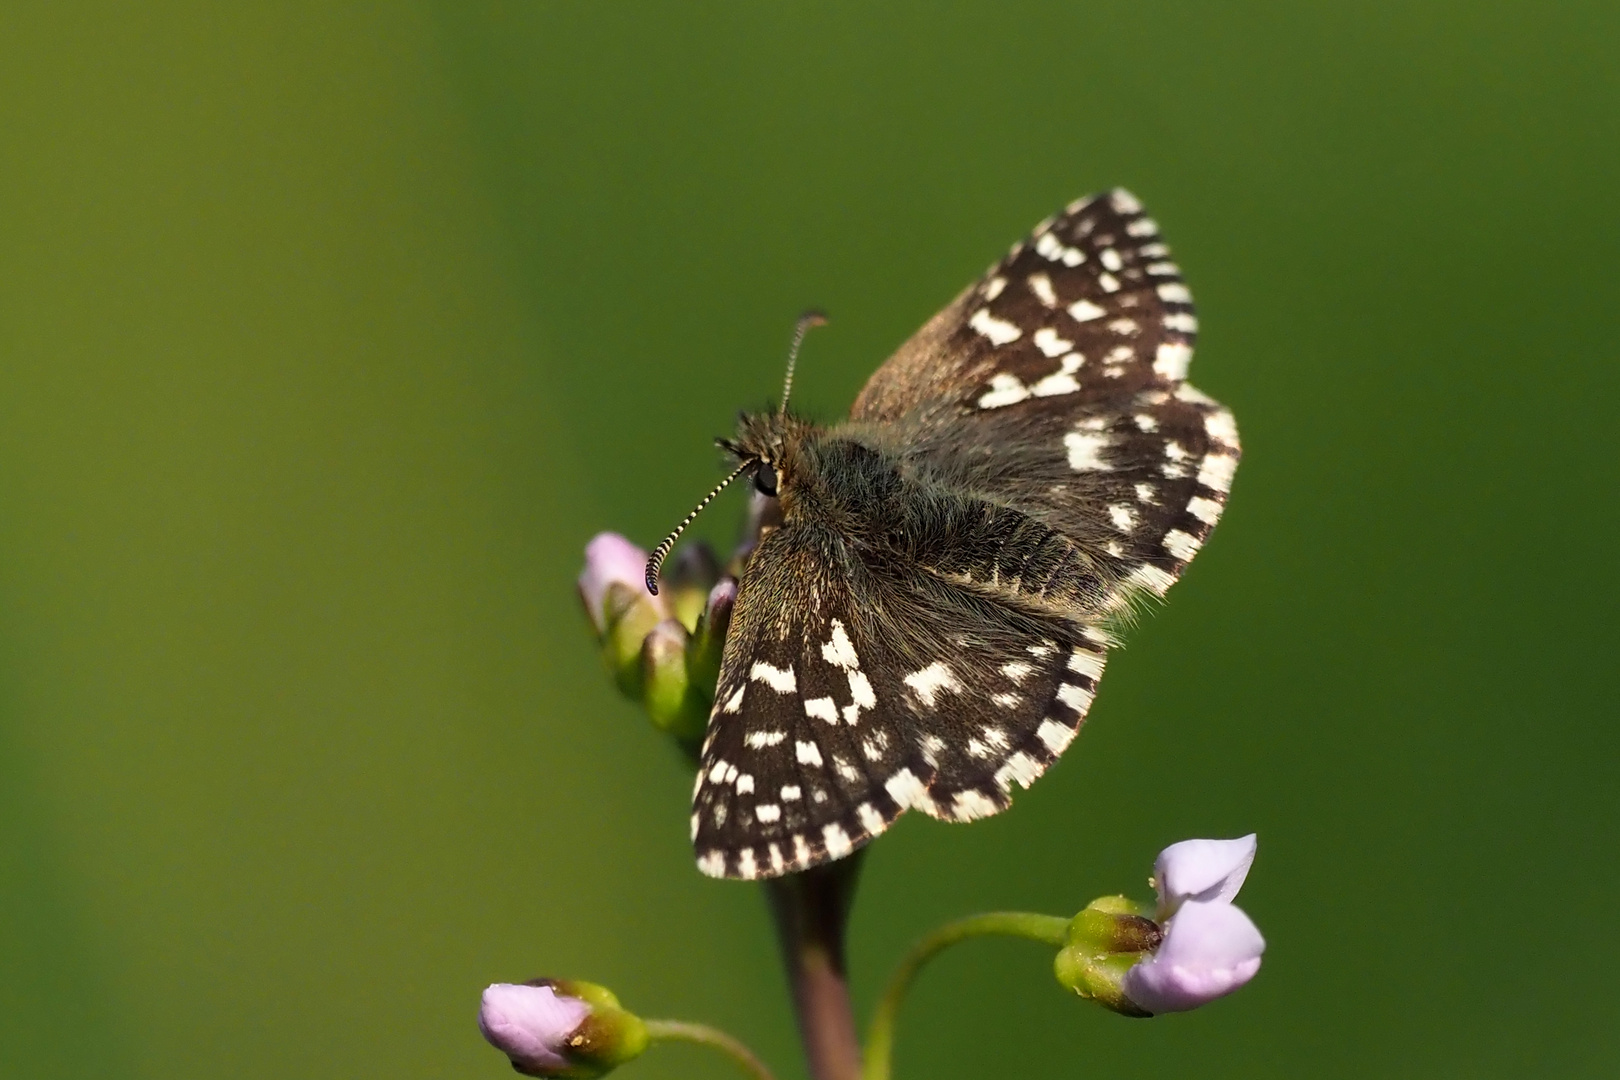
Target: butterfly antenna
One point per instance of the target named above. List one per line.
(800, 328)
(656, 561)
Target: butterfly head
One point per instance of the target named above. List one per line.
(768, 450)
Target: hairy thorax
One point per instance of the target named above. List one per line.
(887, 511)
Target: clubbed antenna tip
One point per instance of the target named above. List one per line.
(655, 562)
(810, 318)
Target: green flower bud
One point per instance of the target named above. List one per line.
(1105, 941)
(668, 693)
(687, 578)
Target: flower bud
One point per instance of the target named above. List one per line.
(709, 639)
(558, 1027)
(1104, 942)
(688, 576)
(614, 590)
(668, 692)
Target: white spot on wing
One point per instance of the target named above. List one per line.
(746, 866)
(999, 331)
(822, 708)
(1110, 259)
(993, 287)
(807, 753)
(1108, 281)
(712, 863)
(758, 740)
(907, 791)
(1141, 227)
(1123, 517)
(1220, 425)
(871, 820)
(1004, 390)
(1151, 578)
(1056, 737)
(1174, 292)
(1183, 321)
(1085, 311)
(1020, 768)
(1041, 286)
(779, 679)
(791, 793)
(1216, 472)
(970, 805)
(1086, 663)
(1016, 670)
(1182, 545)
(1046, 339)
(1075, 697)
(734, 703)
(1206, 510)
(839, 651)
(1061, 382)
(1172, 359)
(745, 784)
(837, 841)
(931, 680)
(768, 812)
(1085, 451)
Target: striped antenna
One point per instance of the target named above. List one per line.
(656, 561)
(800, 328)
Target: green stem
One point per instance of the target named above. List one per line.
(705, 1035)
(1047, 929)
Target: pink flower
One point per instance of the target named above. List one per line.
(531, 1024)
(1210, 948)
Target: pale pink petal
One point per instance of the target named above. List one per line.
(610, 559)
(1204, 870)
(1209, 950)
(530, 1024)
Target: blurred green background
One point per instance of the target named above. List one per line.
(329, 333)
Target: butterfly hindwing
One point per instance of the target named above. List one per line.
(1057, 382)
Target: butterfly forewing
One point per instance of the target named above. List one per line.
(891, 692)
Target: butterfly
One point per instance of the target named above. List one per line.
(924, 626)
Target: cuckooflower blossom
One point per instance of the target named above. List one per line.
(531, 1024)
(560, 1027)
(1210, 948)
(1198, 947)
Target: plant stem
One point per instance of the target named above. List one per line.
(708, 1036)
(1047, 929)
(811, 911)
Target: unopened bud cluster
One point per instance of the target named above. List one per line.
(664, 650)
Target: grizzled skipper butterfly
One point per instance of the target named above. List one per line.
(926, 626)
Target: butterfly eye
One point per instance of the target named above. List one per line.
(765, 480)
